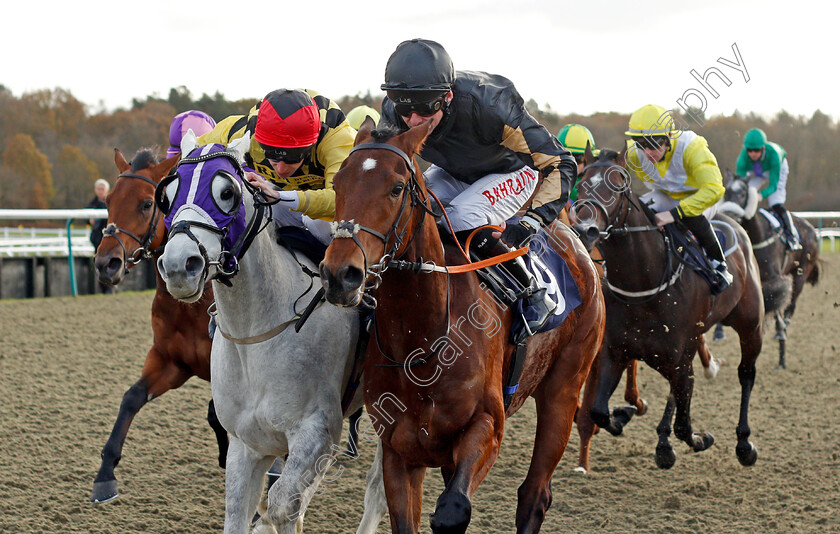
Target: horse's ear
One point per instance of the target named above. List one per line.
(412, 140)
(239, 147)
(621, 159)
(364, 131)
(162, 169)
(588, 156)
(119, 160)
(727, 177)
(188, 142)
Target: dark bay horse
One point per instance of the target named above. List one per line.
(657, 310)
(181, 347)
(440, 345)
(783, 272)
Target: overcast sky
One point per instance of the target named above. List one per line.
(581, 57)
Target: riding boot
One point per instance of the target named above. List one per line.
(483, 246)
(791, 242)
(702, 230)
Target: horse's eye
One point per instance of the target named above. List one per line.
(397, 189)
(147, 205)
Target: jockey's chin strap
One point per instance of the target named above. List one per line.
(142, 252)
(227, 264)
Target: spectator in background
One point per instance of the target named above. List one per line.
(100, 189)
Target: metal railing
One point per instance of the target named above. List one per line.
(69, 216)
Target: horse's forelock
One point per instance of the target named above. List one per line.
(607, 155)
(382, 135)
(144, 158)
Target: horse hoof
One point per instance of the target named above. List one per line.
(621, 416)
(719, 335)
(665, 457)
(707, 441)
(747, 453)
(104, 492)
(580, 469)
(780, 366)
(452, 514)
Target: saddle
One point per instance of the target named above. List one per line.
(689, 252)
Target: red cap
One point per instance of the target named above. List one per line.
(288, 118)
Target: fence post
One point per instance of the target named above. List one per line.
(70, 258)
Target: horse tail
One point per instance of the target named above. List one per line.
(777, 292)
(816, 272)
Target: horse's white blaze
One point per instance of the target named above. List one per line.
(369, 164)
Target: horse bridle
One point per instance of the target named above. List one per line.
(142, 252)
(350, 229)
(227, 263)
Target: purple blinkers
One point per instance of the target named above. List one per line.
(208, 182)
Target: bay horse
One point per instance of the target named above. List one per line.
(657, 310)
(440, 344)
(276, 391)
(783, 272)
(181, 346)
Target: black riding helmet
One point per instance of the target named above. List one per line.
(419, 70)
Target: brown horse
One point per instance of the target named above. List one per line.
(657, 310)
(783, 272)
(440, 347)
(181, 347)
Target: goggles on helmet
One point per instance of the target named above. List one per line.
(650, 143)
(286, 155)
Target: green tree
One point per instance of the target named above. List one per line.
(73, 178)
(23, 157)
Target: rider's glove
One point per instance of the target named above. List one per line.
(517, 235)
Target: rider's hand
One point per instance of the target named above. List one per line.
(288, 199)
(663, 217)
(517, 235)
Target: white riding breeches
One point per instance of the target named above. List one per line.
(492, 199)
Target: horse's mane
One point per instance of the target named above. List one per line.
(144, 158)
(607, 155)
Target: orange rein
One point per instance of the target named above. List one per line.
(470, 265)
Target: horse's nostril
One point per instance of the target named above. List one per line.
(194, 265)
(351, 277)
(113, 266)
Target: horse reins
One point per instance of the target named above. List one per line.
(142, 252)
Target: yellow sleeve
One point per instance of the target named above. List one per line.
(331, 152)
(704, 174)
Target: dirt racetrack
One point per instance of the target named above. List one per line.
(66, 362)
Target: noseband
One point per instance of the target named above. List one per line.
(142, 252)
(350, 229)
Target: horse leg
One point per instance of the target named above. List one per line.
(219, 430)
(711, 366)
(719, 334)
(585, 425)
(353, 435)
(631, 388)
(750, 349)
(473, 454)
(105, 483)
(781, 335)
(682, 386)
(375, 502)
(404, 492)
(609, 375)
(556, 401)
(665, 456)
(244, 476)
(158, 377)
(310, 456)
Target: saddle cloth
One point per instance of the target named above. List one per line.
(692, 254)
(551, 273)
